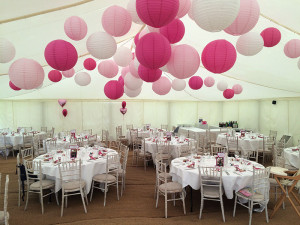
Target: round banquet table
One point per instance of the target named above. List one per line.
(17, 138)
(175, 146)
(141, 133)
(250, 142)
(89, 167)
(232, 180)
(61, 143)
(291, 156)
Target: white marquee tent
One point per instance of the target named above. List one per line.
(270, 75)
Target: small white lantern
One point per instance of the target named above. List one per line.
(250, 44)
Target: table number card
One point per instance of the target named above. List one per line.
(72, 132)
(73, 151)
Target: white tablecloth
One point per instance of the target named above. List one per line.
(175, 145)
(89, 168)
(233, 181)
(62, 143)
(246, 143)
(292, 157)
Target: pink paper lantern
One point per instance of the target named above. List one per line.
(89, 64)
(228, 93)
(61, 55)
(14, 87)
(116, 21)
(75, 28)
(149, 75)
(247, 18)
(237, 88)
(121, 80)
(184, 7)
(26, 73)
(162, 86)
(54, 76)
(292, 48)
(271, 36)
(174, 31)
(68, 73)
(133, 70)
(124, 71)
(184, 61)
(108, 68)
(209, 81)
(218, 56)
(195, 82)
(157, 13)
(113, 89)
(153, 50)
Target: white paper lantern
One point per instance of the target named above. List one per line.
(136, 63)
(222, 85)
(132, 93)
(101, 45)
(7, 50)
(131, 7)
(215, 15)
(178, 84)
(26, 73)
(250, 44)
(82, 78)
(132, 82)
(123, 56)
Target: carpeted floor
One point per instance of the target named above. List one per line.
(137, 206)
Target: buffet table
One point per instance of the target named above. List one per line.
(236, 175)
(89, 167)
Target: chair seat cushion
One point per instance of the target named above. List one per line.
(258, 197)
(102, 178)
(45, 184)
(162, 175)
(120, 172)
(2, 217)
(212, 191)
(171, 187)
(73, 185)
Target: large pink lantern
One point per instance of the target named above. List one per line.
(162, 86)
(174, 31)
(271, 36)
(14, 87)
(113, 89)
(82, 78)
(89, 64)
(247, 18)
(75, 28)
(116, 21)
(149, 75)
(228, 93)
(237, 88)
(292, 48)
(195, 82)
(184, 7)
(26, 73)
(184, 61)
(108, 68)
(153, 50)
(54, 75)
(157, 13)
(209, 81)
(218, 56)
(68, 73)
(61, 55)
